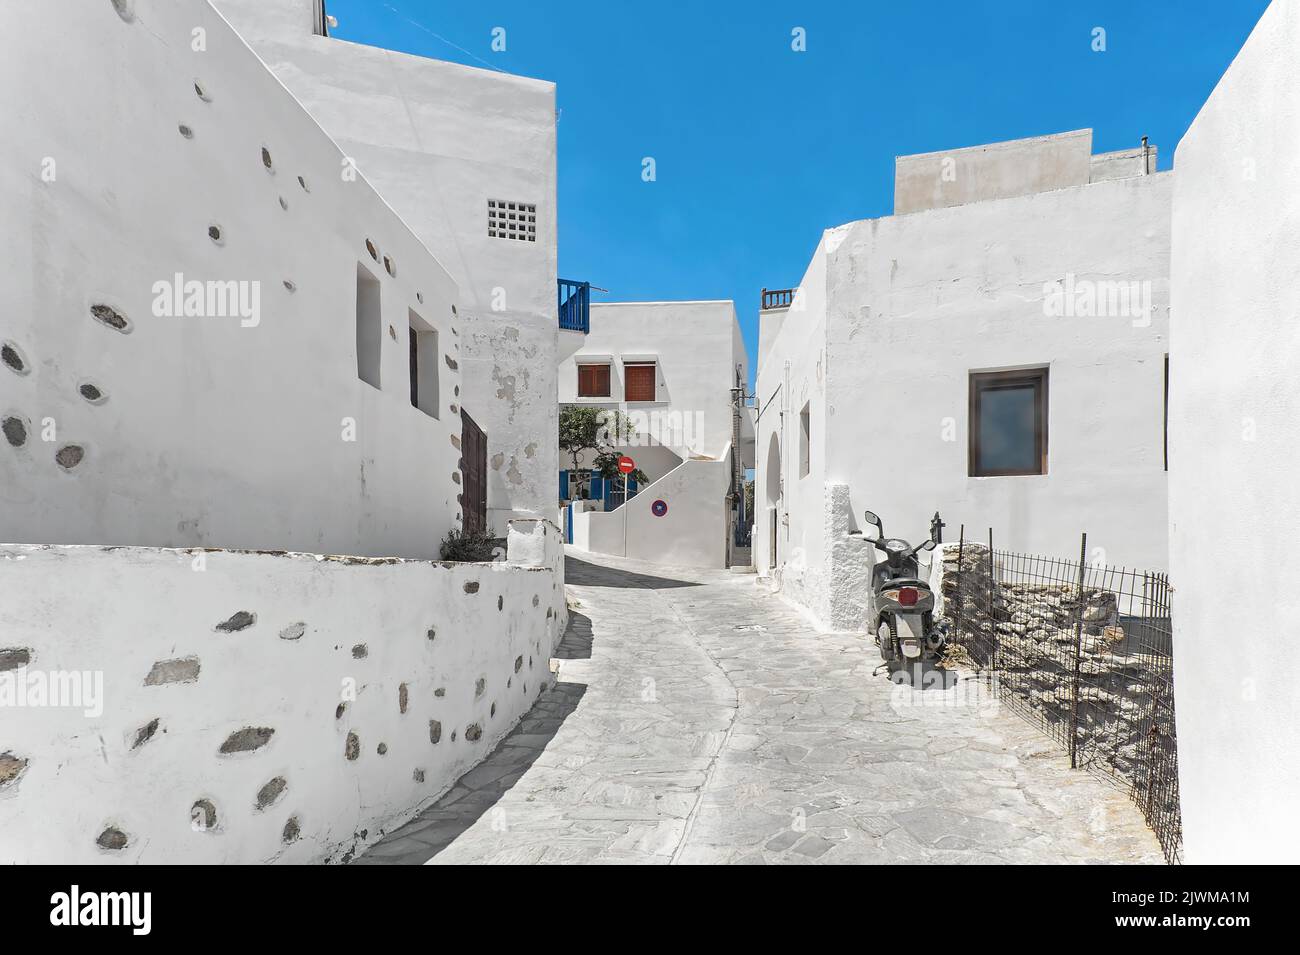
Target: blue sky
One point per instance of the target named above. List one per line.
(759, 148)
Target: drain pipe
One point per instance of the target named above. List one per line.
(1146, 157)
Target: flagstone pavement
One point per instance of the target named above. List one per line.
(699, 718)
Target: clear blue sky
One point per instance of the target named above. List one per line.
(759, 148)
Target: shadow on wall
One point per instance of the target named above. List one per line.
(583, 574)
(478, 791)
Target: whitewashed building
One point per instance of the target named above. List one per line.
(229, 389)
(994, 351)
(466, 156)
(1234, 448)
(678, 371)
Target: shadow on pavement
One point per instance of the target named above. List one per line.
(577, 639)
(477, 791)
(584, 574)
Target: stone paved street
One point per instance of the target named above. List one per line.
(699, 719)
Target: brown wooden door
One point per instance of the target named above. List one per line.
(473, 470)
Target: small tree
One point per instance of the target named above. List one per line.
(598, 430)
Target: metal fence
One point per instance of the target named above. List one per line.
(1085, 652)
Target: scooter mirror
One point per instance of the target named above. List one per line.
(871, 518)
(928, 545)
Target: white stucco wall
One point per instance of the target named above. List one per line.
(439, 140)
(207, 431)
(1234, 429)
(918, 302)
(368, 688)
(890, 319)
(792, 375)
(691, 533)
(694, 345)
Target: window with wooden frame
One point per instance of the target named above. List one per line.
(639, 381)
(1008, 423)
(593, 380)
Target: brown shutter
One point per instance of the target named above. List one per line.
(593, 381)
(639, 382)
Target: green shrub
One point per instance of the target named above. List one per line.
(471, 547)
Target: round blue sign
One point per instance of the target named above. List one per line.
(659, 508)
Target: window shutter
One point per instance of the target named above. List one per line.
(593, 381)
(639, 382)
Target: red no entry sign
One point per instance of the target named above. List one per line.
(626, 465)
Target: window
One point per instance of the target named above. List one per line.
(369, 331)
(512, 220)
(593, 381)
(805, 440)
(424, 365)
(1008, 423)
(639, 381)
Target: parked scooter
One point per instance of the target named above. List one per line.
(904, 603)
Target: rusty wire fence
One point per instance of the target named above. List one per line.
(1085, 652)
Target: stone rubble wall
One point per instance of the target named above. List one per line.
(1029, 638)
(256, 706)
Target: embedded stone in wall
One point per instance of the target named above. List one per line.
(13, 358)
(292, 829)
(471, 586)
(110, 317)
(145, 733)
(203, 816)
(113, 839)
(15, 431)
(440, 692)
(182, 670)
(11, 768)
(359, 652)
(473, 732)
(519, 663)
(247, 739)
(402, 697)
(435, 731)
(241, 620)
(501, 602)
(382, 749)
(268, 794)
(11, 658)
(294, 631)
(352, 748)
(479, 686)
(432, 633)
(69, 456)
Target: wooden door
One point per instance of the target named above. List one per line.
(473, 471)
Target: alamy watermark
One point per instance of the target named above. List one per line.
(72, 689)
(178, 298)
(1073, 297)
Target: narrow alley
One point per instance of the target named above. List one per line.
(699, 719)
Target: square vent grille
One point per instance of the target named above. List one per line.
(512, 220)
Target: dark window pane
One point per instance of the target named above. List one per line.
(1007, 429)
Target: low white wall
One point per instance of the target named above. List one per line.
(363, 688)
(692, 533)
(1234, 427)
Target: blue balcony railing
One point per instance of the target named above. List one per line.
(575, 305)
